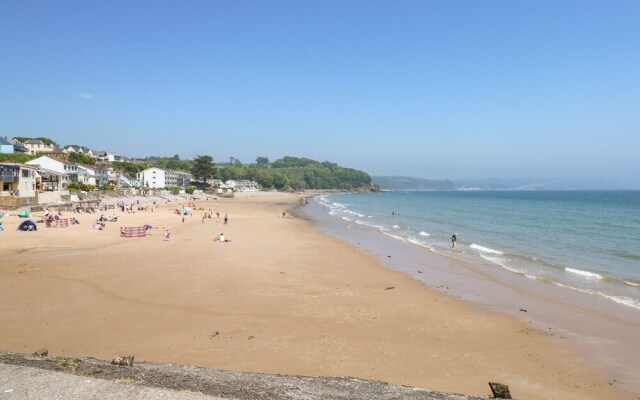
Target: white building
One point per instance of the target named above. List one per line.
(67, 171)
(87, 175)
(80, 149)
(247, 186)
(177, 178)
(35, 146)
(106, 156)
(127, 181)
(160, 178)
(18, 180)
(106, 175)
(152, 178)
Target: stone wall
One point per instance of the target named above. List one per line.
(13, 202)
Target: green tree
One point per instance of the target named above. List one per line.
(262, 161)
(79, 158)
(203, 168)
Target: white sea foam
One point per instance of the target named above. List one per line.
(586, 274)
(367, 223)
(618, 299)
(347, 219)
(417, 242)
(423, 233)
(501, 262)
(396, 227)
(393, 236)
(485, 249)
(632, 283)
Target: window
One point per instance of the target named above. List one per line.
(25, 173)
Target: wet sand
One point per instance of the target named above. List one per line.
(601, 332)
(281, 297)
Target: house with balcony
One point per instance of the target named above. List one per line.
(18, 147)
(18, 180)
(105, 175)
(61, 172)
(177, 178)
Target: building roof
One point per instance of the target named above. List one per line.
(5, 142)
(19, 165)
(34, 141)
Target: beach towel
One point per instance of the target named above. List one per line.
(24, 214)
(62, 223)
(134, 231)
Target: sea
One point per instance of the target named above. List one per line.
(580, 241)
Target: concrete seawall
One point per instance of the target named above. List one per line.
(30, 377)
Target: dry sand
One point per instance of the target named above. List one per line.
(281, 297)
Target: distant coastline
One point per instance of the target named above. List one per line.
(405, 183)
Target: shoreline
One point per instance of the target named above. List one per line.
(601, 332)
(282, 297)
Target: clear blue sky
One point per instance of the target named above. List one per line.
(436, 89)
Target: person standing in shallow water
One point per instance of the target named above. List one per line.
(454, 239)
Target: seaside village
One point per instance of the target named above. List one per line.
(45, 183)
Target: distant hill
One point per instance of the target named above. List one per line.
(408, 183)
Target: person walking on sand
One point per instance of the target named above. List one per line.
(454, 240)
(226, 219)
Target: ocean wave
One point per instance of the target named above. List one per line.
(635, 284)
(624, 300)
(586, 274)
(485, 249)
(347, 219)
(500, 262)
(627, 301)
(418, 242)
(393, 236)
(423, 233)
(396, 227)
(367, 223)
(352, 212)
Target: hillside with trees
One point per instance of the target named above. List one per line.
(294, 173)
(283, 174)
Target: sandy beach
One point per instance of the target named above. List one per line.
(280, 297)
